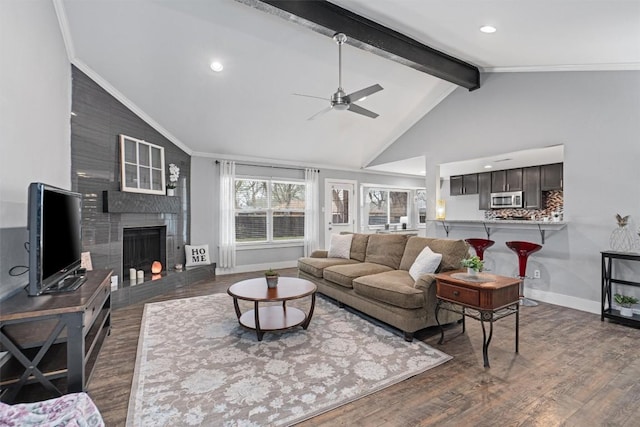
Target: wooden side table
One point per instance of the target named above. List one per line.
(485, 297)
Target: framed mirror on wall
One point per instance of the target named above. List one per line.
(141, 166)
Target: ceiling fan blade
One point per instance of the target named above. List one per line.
(326, 110)
(359, 94)
(311, 96)
(358, 109)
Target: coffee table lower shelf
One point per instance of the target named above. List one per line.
(273, 318)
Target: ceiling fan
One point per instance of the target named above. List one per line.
(340, 100)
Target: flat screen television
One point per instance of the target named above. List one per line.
(55, 239)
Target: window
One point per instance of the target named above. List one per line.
(142, 166)
(421, 206)
(339, 206)
(387, 206)
(269, 210)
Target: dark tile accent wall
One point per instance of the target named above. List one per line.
(95, 168)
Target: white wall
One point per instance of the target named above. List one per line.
(596, 115)
(35, 83)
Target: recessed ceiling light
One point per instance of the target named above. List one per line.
(488, 166)
(216, 66)
(488, 29)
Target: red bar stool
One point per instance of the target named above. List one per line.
(480, 245)
(523, 250)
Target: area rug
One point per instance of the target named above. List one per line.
(197, 366)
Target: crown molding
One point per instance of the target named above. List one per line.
(130, 105)
(266, 162)
(82, 66)
(631, 66)
(61, 14)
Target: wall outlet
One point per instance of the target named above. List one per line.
(536, 274)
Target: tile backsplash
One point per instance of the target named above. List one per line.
(551, 200)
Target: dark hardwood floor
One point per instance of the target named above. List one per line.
(572, 370)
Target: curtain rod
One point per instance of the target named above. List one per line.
(271, 166)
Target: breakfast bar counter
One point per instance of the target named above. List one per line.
(490, 224)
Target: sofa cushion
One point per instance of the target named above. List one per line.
(386, 249)
(315, 266)
(359, 246)
(453, 251)
(340, 246)
(427, 262)
(343, 275)
(393, 287)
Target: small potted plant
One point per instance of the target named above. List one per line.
(474, 265)
(272, 278)
(625, 304)
(174, 174)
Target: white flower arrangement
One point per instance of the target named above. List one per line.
(174, 174)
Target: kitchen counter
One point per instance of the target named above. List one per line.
(488, 224)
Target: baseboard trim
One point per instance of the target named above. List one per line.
(256, 267)
(564, 300)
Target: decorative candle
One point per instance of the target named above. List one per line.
(132, 273)
(140, 274)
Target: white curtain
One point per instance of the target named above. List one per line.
(311, 211)
(227, 229)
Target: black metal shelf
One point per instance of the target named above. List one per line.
(607, 310)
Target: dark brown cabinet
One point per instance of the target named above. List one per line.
(506, 180)
(551, 177)
(531, 188)
(463, 184)
(484, 191)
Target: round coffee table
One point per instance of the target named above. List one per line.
(273, 317)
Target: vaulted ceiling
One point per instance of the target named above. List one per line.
(155, 56)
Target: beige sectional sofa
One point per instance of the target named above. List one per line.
(376, 281)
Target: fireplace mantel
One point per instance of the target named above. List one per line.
(124, 202)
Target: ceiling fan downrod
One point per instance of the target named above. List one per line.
(338, 100)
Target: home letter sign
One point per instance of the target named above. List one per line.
(197, 255)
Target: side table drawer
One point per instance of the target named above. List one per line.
(459, 294)
(93, 310)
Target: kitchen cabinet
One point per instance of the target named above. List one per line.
(463, 184)
(506, 180)
(551, 177)
(484, 191)
(531, 187)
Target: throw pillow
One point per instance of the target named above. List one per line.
(340, 246)
(196, 255)
(426, 262)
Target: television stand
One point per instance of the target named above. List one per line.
(53, 340)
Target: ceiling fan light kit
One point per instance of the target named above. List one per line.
(340, 100)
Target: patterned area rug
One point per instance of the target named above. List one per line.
(197, 366)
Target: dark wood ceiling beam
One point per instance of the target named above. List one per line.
(328, 18)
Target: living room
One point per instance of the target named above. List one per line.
(592, 110)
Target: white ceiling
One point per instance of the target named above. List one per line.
(155, 56)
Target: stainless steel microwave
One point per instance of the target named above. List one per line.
(511, 199)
